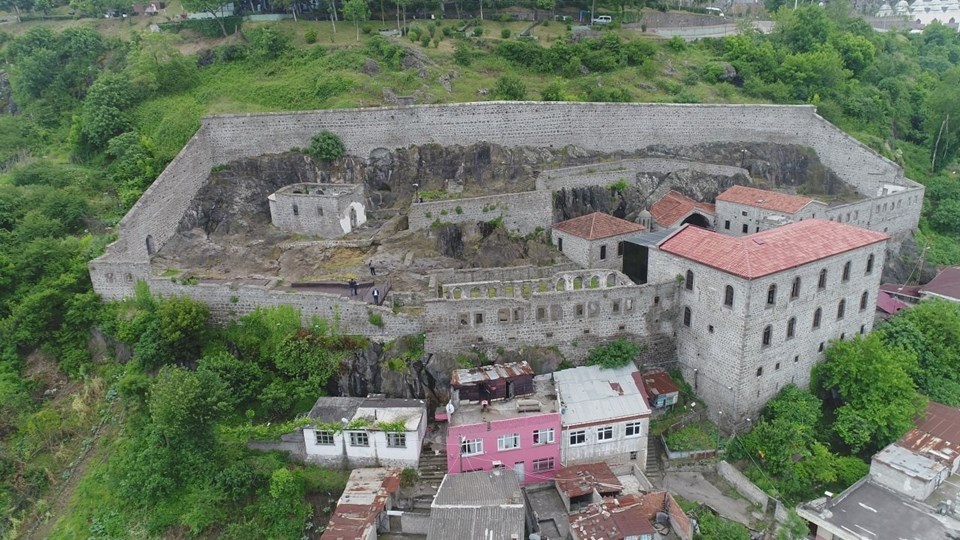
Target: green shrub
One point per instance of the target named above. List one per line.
(615, 354)
(462, 56)
(376, 319)
(447, 31)
(409, 477)
(267, 42)
(509, 87)
(458, 210)
(310, 36)
(327, 146)
(505, 33)
(478, 31)
(425, 40)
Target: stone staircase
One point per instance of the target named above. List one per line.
(653, 469)
(433, 466)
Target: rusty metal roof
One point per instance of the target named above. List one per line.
(658, 383)
(511, 370)
(936, 435)
(364, 498)
(577, 480)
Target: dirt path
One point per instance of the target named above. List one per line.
(40, 527)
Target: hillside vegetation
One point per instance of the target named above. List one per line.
(92, 448)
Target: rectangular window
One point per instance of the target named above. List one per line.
(619, 249)
(745, 228)
(324, 438)
(603, 252)
(543, 465)
(508, 442)
(578, 437)
(471, 447)
(396, 440)
(559, 243)
(634, 429)
(359, 438)
(604, 433)
(543, 436)
(726, 224)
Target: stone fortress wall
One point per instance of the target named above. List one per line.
(522, 212)
(605, 174)
(599, 127)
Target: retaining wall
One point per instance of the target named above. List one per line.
(522, 212)
(604, 174)
(743, 485)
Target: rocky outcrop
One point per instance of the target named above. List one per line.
(7, 105)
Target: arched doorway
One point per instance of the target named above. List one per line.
(150, 248)
(353, 218)
(697, 220)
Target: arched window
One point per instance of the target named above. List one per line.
(319, 211)
(816, 318)
(688, 282)
(150, 248)
(864, 298)
(728, 296)
(767, 335)
(687, 316)
(846, 272)
(772, 295)
(760, 371)
(791, 327)
(869, 264)
(822, 283)
(841, 309)
(795, 288)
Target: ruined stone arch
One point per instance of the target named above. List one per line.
(577, 283)
(458, 293)
(561, 284)
(611, 280)
(595, 282)
(475, 292)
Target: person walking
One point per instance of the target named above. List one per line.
(373, 269)
(376, 297)
(353, 287)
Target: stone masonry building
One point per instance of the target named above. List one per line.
(328, 210)
(755, 313)
(594, 240)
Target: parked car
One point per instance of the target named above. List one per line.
(602, 19)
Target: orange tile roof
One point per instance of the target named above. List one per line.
(771, 251)
(597, 225)
(768, 200)
(674, 206)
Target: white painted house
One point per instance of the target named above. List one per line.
(365, 432)
(605, 416)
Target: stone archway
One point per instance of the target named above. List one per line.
(697, 220)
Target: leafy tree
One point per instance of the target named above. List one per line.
(509, 87)
(803, 30)
(185, 404)
(207, 6)
(879, 398)
(268, 43)
(942, 120)
(356, 11)
(156, 65)
(104, 113)
(617, 353)
(327, 146)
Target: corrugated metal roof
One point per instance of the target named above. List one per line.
(936, 435)
(510, 370)
(479, 488)
(481, 505)
(578, 480)
(586, 394)
(658, 383)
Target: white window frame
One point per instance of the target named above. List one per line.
(604, 433)
(396, 440)
(357, 436)
(317, 434)
(471, 447)
(636, 426)
(544, 465)
(503, 440)
(543, 436)
(578, 434)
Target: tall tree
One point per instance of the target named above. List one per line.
(356, 11)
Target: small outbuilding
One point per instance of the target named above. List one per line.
(328, 210)
(497, 381)
(661, 390)
(594, 240)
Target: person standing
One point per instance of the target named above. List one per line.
(373, 269)
(353, 287)
(376, 297)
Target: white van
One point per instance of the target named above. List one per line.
(602, 19)
(714, 11)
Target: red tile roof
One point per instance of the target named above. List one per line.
(674, 206)
(946, 284)
(768, 200)
(597, 225)
(771, 251)
(577, 480)
(907, 291)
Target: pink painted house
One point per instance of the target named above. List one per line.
(521, 434)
